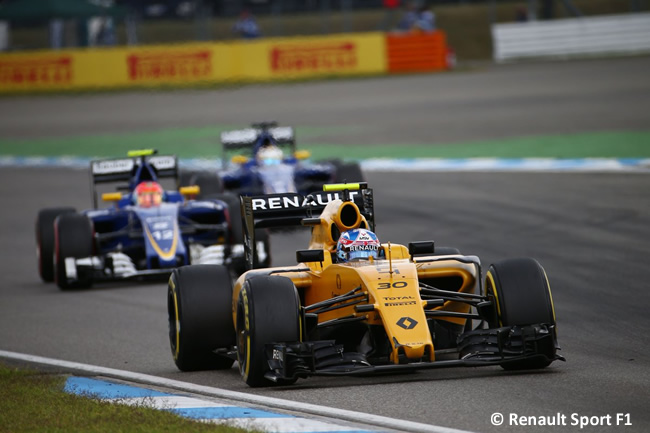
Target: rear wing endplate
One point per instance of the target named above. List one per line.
(289, 209)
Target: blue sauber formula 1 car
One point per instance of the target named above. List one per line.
(147, 230)
(263, 159)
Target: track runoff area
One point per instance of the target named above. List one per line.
(208, 404)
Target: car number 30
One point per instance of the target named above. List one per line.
(395, 285)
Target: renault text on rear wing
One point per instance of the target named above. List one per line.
(286, 210)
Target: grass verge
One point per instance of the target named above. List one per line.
(203, 142)
(34, 401)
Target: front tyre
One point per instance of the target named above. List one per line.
(522, 296)
(73, 239)
(199, 310)
(45, 240)
(268, 311)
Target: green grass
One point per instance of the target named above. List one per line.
(204, 143)
(33, 401)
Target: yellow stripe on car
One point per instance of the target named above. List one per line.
(140, 152)
(178, 321)
(341, 186)
(163, 255)
(496, 297)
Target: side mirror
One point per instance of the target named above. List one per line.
(307, 256)
(302, 154)
(421, 248)
(239, 159)
(191, 191)
(112, 196)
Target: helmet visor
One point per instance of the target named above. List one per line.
(362, 255)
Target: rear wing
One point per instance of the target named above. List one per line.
(248, 138)
(139, 167)
(290, 209)
(243, 138)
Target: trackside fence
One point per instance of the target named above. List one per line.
(573, 37)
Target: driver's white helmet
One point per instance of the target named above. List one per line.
(270, 155)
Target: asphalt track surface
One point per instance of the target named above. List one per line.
(589, 230)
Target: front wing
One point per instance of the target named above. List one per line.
(482, 347)
(119, 266)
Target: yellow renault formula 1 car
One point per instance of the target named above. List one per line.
(405, 308)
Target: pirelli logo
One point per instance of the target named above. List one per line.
(170, 66)
(314, 58)
(52, 70)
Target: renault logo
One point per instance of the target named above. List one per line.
(407, 323)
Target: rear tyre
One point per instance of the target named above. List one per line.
(73, 238)
(262, 236)
(209, 184)
(349, 172)
(263, 248)
(185, 177)
(45, 240)
(521, 293)
(199, 310)
(234, 212)
(268, 311)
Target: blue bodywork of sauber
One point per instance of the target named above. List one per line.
(159, 237)
(126, 240)
(291, 175)
(255, 176)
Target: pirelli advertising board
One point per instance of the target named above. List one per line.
(195, 63)
(108, 68)
(289, 58)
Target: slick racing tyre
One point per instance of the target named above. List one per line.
(349, 172)
(262, 237)
(234, 211)
(185, 177)
(199, 309)
(209, 184)
(268, 311)
(263, 248)
(73, 238)
(45, 240)
(521, 293)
